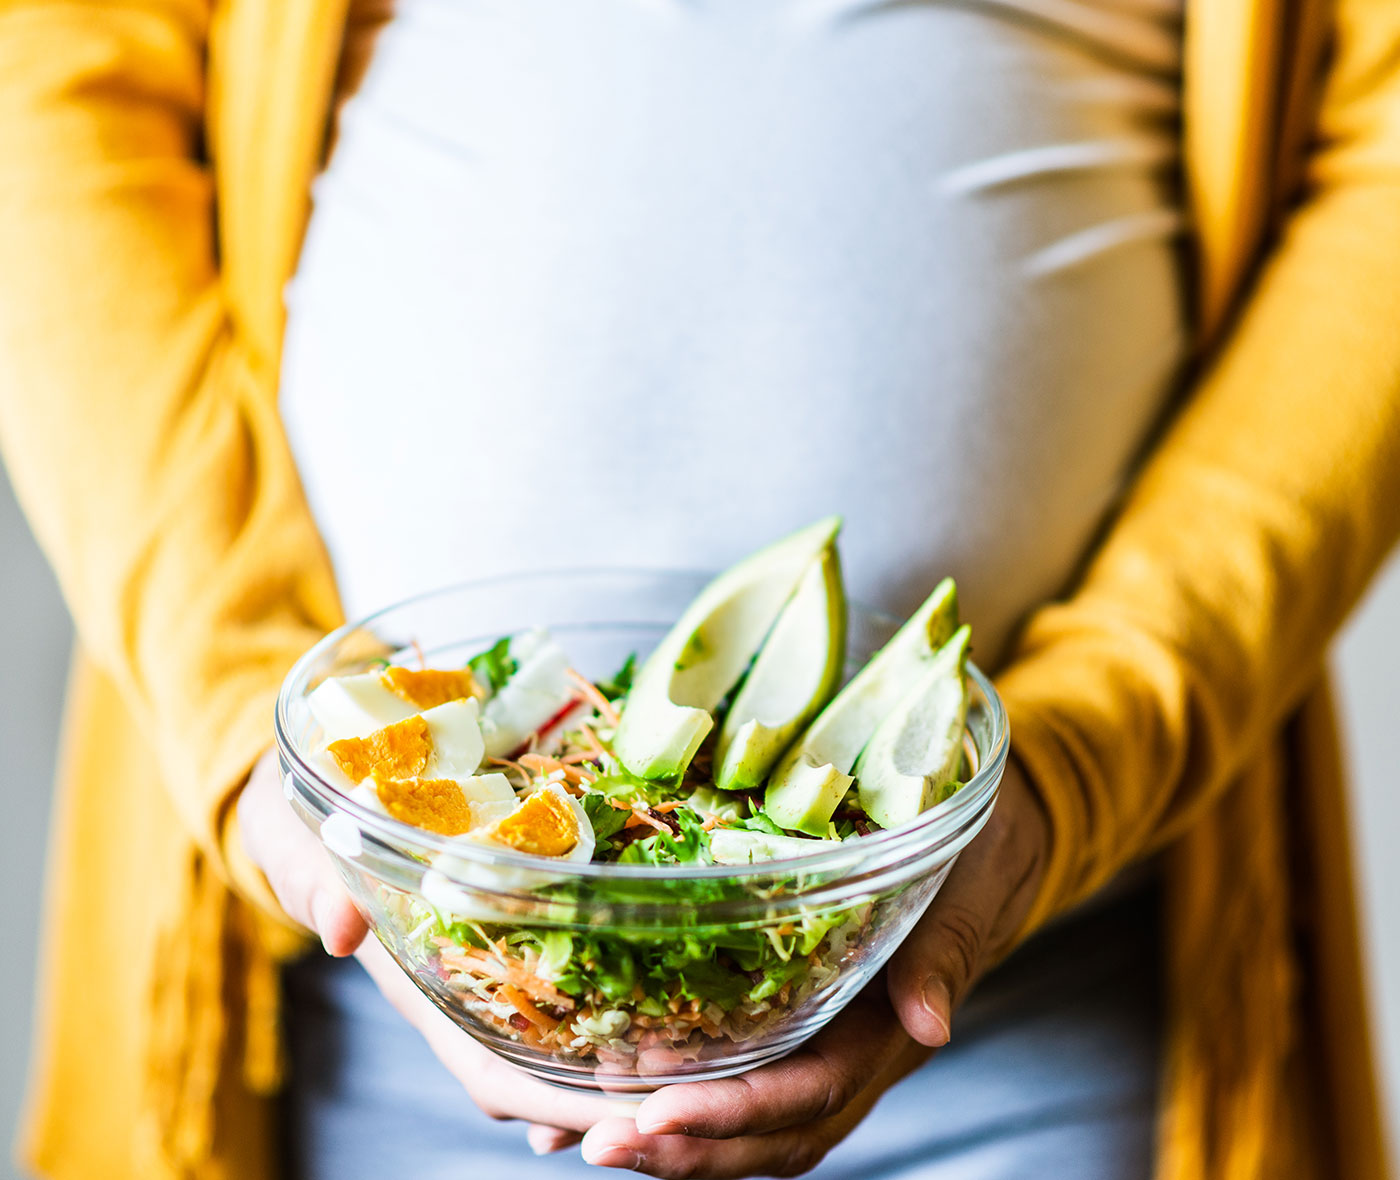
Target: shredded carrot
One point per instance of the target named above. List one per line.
(578, 756)
(710, 824)
(540, 764)
(590, 693)
(579, 775)
(422, 659)
(668, 806)
(506, 970)
(641, 817)
(513, 768)
(521, 1003)
(593, 739)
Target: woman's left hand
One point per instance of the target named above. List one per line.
(776, 1120)
(782, 1119)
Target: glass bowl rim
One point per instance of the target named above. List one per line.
(940, 822)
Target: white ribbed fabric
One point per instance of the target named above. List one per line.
(654, 281)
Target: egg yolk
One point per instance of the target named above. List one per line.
(398, 751)
(543, 825)
(436, 804)
(430, 687)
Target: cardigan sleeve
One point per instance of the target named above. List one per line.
(1254, 526)
(142, 437)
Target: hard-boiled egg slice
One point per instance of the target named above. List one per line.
(355, 706)
(427, 688)
(367, 795)
(450, 885)
(532, 697)
(488, 798)
(492, 789)
(547, 822)
(487, 812)
(456, 736)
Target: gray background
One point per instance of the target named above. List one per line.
(34, 638)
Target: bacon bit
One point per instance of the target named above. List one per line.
(861, 826)
(518, 1021)
(589, 691)
(398, 751)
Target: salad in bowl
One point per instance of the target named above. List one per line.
(659, 840)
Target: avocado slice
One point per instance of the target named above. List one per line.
(913, 759)
(795, 674)
(738, 846)
(669, 710)
(810, 780)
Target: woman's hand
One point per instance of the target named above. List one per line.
(777, 1120)
(296, 866)
(970, 925)
(782, 1119)
(307, 885)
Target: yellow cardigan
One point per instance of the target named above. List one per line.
(155, 159)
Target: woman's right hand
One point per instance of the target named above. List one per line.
(301, 874)
(295, 864)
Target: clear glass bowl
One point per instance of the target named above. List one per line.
(839, 913)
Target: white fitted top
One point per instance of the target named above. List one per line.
(653, 282)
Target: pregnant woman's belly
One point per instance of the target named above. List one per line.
(652, 282)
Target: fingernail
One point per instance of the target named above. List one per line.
(937, 1003)
(544, 1141)
(664, 1127)
(320, 910)
(616, 1156)
(321, 905)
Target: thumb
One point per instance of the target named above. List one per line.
(973, 918)
(296, 865)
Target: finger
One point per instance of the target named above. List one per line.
(619, 1143)
(297, 866)
(970, 920)
(547, 1140)
(814, 1083)
(500, 1089)
(616, 1143)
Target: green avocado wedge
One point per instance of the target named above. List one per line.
(734, 846)
(670, 707)
(795, 674)
(810, 780)
(914, 758)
